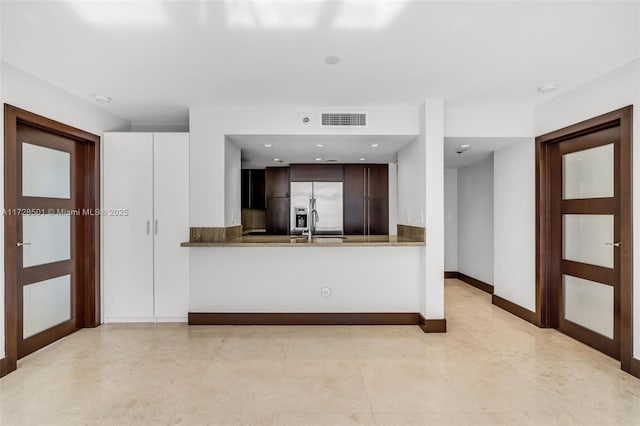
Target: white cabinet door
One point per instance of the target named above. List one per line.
(171, 226)
(128, 240)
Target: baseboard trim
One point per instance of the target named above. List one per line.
(3, 367)
(304, 318)
(487, 288)
(433, 325)
(514, 309)
(634, 369)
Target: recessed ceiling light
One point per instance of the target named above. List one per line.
(102, 98)
(277, 160)
(362, 158)
(318, 159)
(268, 145)
(375, 145)
(332, 60)
(547, 88)
(465, 146)
(319, 145)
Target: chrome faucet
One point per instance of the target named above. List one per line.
(313, 217)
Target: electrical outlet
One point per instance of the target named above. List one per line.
(326, 291)
(422, 218)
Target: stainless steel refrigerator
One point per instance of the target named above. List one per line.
(327, 198)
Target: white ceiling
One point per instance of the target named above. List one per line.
(156, 58)
(480, 149)
(302, 149)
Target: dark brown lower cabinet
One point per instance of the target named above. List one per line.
(277, 217)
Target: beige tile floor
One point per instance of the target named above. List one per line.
(491, 368)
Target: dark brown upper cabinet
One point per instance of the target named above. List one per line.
(277, 182)
(253, 189)
(317, 172)
(366, 199)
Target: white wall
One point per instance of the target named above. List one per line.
(411, 182)
(278, 279)
(232, 191)
(433, 116)
(514, 218)
(26, 91)
(209, 125)
(614, 90)
(488, 121)
(475, 220)
(160, 127)
(451, 219)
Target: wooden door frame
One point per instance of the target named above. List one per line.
(88, 271)
(546, 267)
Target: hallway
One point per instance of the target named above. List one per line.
(489, 368)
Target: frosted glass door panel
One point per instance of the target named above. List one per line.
(585, 237)
(588, 173)
(46, 304)
(46, 172)
(589, 304)
(48, 237)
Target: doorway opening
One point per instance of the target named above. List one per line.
(584, 232)
(52, 232)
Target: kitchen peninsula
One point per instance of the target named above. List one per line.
(279, 282)
(334, 277)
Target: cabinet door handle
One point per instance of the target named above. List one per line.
(364, 216)
(155, 227)
(364, 182)
(148, 227)
(369, 181)
(368, 217)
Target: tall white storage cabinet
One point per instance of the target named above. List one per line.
(146, 272)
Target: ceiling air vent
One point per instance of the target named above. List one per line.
(344, 119)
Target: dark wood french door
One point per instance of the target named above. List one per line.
(588, 222)
(47, 211)
(584, 232)
(52, 232)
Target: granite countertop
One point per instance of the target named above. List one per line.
(322, 241)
